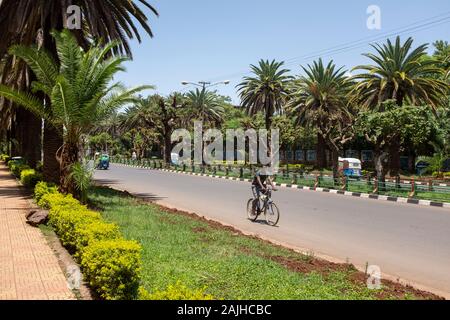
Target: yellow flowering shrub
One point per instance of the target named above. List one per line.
(113, 268)
(177, 291)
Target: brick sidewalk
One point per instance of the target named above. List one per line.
(29, 268)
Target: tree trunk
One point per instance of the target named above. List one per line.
(28, 135)
(320, 152)
(69, 156)
(167, 148)
(394, 158)
(379, 160)
(52, 142)
(335, 163)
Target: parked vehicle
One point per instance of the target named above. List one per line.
(350, 167)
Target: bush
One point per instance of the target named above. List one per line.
(30, 177)
(86, 234)
(66, 219)
(5, 158)
(51, 199)
(178, 291)
(437, 175)
(17, 167)
(110, 263)
(42, 188)
(112, 268)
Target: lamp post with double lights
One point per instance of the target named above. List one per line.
(204, 84)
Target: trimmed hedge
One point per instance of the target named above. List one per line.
(5, 158)
(29, 177)
(17, 167)
(177, 291)
(43, 188)
(110, 264)
(50, 200)
(113, 268)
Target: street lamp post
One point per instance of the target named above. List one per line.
(205, 84)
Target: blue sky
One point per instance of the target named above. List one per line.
(217, 40)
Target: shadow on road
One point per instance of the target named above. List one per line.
(106, 181)
(148, 196)
(263, 222)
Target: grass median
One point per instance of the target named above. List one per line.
(179, 246)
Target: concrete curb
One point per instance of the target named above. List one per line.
(293, 186)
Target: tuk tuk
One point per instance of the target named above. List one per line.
(103, 163)
(350, 167)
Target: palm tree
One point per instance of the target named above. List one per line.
(399, 74)
(402, 74)
(205, 105)
(78, 89)
(28, 22)
(266, 90)
(320, 100)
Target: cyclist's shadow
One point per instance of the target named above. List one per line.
(262, 222)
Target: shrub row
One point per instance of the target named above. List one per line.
(110, 263)
(17, 167)
(29, 177)
(177, 291)
(5, 158)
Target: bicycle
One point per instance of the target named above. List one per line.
(270, 209)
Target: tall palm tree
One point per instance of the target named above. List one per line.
(320, 100)
(205, 105)
(78, 89)
(28, 22)
(266, 90)
(402, 74)
(399, 74)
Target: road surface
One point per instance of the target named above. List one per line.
(408, 241)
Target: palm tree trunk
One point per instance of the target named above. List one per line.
(28, 135)
(52, 142)
(69, 156)
(320, 152)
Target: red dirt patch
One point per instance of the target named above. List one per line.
(310, 264)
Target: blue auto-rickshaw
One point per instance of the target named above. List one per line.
(350, 167)
(103, 162)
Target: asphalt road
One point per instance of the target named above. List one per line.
(408, 241)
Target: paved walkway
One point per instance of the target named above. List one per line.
(29, 269)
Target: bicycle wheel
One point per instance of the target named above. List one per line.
(272, 214)
(252, 209)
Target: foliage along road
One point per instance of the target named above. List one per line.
(407, 241)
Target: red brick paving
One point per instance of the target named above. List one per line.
(29, 269)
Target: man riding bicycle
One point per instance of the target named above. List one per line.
(258, 205)
(262, 178)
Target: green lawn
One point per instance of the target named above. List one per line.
(177, 246)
